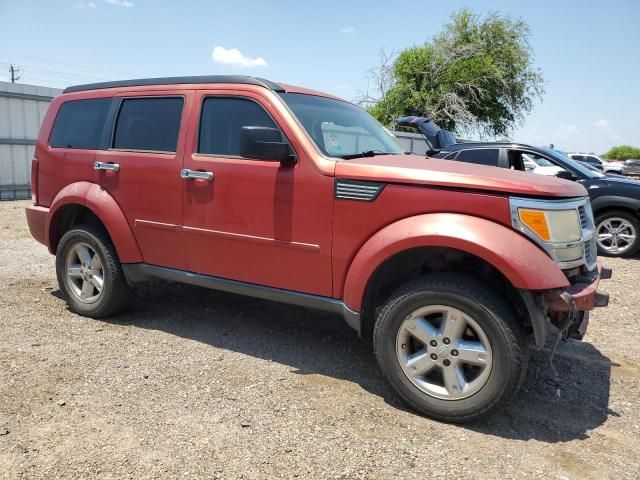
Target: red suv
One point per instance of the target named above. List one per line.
(239, 184)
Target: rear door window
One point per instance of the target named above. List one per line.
(79, 124)
(485, 156)
(148, 124)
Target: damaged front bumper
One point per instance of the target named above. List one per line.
(566, 309)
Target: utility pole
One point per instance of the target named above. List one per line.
(14, 71)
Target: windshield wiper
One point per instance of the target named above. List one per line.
(368, 153)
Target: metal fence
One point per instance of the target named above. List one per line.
(412, 142)
(22, 108)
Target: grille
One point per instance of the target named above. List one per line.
(584, 221)
(590, 252)
(358, 190)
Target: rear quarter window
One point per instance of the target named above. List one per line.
(148, 124)
(79, 124)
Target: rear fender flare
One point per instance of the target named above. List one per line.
(107, 210)
(524, 264)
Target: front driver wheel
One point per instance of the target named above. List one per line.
(451, 347)
(617, 234)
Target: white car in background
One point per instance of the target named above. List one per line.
(591, 159)
(540, 166)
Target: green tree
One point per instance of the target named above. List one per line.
(622, 152)
(477, 75)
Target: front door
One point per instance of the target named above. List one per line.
(147, 148)
(253, 220)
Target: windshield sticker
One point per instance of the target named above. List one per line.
(334, 146)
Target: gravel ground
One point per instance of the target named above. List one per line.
(201, 384)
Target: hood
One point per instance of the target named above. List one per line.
(418, 170)
(621, 180)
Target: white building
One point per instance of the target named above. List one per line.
(22, 109)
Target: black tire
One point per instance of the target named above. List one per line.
(116, 292)
(629, 217)
(504, 332)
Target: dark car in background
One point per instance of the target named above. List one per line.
(615, 199)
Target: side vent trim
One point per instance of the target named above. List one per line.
(358, 190)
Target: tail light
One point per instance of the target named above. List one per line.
(34, 180)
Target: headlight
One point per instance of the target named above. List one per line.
(560, 227)
(552, 225)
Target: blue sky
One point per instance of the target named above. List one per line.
(589, 52)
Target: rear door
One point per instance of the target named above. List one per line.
(141, 170)
(73, 142)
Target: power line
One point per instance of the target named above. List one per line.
(58, 73)
(4, 52)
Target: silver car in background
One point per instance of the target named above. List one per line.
(631, 167)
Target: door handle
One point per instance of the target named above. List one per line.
(187, 174)
(112, 167)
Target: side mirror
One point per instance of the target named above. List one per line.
(264, 143)
(566, 175)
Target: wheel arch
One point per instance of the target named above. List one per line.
(87, 201)
(609, 203)
(408, 265)
(436, 242)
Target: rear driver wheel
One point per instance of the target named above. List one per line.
(451, 347)
(89, 272)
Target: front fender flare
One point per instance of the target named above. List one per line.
(522, 262)
(105, 207)
(615, 201)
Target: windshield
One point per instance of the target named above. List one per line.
(573, 164)
(340, 128)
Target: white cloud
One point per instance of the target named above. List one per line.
(607, 128)
(84, 4)
(120, 3)
(349, 29)
(565, 131)
(236, 58)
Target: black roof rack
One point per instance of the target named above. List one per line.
(244, 79)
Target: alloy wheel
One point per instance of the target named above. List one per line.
(444, 352)
(615, 235)
(84, 273)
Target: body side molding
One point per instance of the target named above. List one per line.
(141, 272)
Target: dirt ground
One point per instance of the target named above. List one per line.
(193, 383)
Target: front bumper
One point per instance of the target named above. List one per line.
(584, 293)
(567, 309)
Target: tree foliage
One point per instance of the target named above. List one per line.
(623, 152)
(475, 76)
